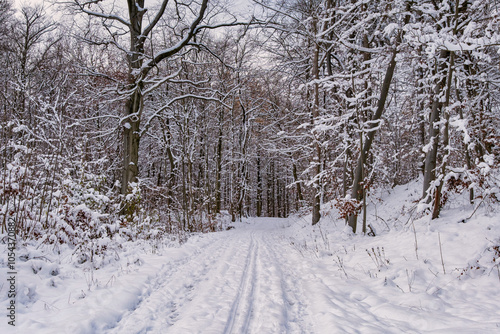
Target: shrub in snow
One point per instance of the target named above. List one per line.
(347, 206)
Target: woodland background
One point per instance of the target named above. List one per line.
(154, 119)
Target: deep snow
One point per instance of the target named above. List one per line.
(280, 276)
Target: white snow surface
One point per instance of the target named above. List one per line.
(270, 275)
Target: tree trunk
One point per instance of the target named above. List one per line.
(437, 196)
(218, 168)
(131, 140)
(449, 78)
(134, 102)
(316, 207)
(299, 197)
(357, 184)
(437, 106)
(259, 187)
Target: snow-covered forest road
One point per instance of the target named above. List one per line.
(257, 279)
(267, 276)
(246, 280)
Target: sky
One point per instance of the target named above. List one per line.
(238, 6)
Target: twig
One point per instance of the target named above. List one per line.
(473, 212)
(410, 281)
(415, 236)
(340, 264)
(441, 252)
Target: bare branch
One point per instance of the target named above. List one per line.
(176, 99)
(81, 7)
(153, 23)
(176, 48)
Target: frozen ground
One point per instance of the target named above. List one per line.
(281, 276)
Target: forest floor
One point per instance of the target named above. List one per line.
(269, 275)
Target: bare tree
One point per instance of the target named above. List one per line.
(185, 20)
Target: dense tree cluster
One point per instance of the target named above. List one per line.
(146, 118)
(392, 90)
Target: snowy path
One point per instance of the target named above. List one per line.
(255, 279)
(266, 276)
(273, 276)
(237, 283)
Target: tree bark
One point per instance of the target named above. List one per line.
(131, 138)
(134, 102)
(138, 71)
(356, 191)
(218, 168)
(437, 196)
(316, 207)
(259, 187)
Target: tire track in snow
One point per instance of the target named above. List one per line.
(239, 282)
(241, 313)
(212, 298)
(267, 300)
(271, 311)
(295, 317)
(168, 291)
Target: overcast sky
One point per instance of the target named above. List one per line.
(243, 7)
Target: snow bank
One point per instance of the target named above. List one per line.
(437, 276)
